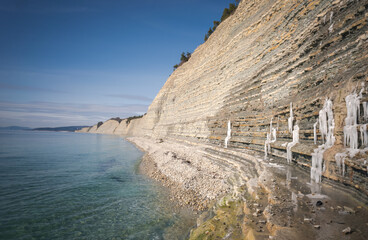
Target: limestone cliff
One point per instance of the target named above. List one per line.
(267, 55)
(107, 127)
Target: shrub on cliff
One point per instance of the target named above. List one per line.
(225, 14)
(183, 58)
(116, 119)
(133, 117)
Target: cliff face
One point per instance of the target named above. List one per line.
(264, 57)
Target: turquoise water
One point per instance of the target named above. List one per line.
(80, 186)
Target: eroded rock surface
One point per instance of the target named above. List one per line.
(265, 56)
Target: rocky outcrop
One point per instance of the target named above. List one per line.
(267, 55)
(107, 127)
(84, 130)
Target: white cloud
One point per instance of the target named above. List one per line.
(48, 114)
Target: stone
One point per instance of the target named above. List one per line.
(350, 210)
(347, 230)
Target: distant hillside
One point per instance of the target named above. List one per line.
(15, 128)
(59, 129)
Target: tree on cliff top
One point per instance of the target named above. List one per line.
(183, 58)
(225, 14)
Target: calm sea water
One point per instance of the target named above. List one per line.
(80, 186)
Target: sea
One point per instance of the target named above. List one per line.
(63, 185)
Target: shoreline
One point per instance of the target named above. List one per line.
(240, 194)
(180, 197)
(192, 182)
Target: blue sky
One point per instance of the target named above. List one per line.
(78, 62)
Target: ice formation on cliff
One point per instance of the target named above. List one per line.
(352, 125)
(291, 118)
(351, 121)
(331, 15)
(228, 136)
(365, 110)
(364, 134)
(326, 127)
(289, 154)
(267, 146)
(272, 132)
(271, 137)
(340, 162)
(315, 132)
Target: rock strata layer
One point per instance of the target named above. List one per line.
(265, 56)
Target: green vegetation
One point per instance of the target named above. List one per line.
(228, 214)
(133, 117)
(183, 58)
(59, 129)
(99, 124)
(225, 14)
(116, 119)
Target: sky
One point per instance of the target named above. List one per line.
(77, 62)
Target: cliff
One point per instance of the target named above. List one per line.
(264, 57)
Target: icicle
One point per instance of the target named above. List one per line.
(296, 134)
(291, 118)
(365, 111)
(271, 126)
(315, 132)
(326, 127)
(267, 146)
(364, 135)
(228, 133)
(322, 124)
(273, 134)
(340, 162)
(271, 137)
(351, 136)
(330, 139)
(351, 121)
(289, 154)
(331, 15)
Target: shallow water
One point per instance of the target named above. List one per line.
(329, 205)
(81, 186)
